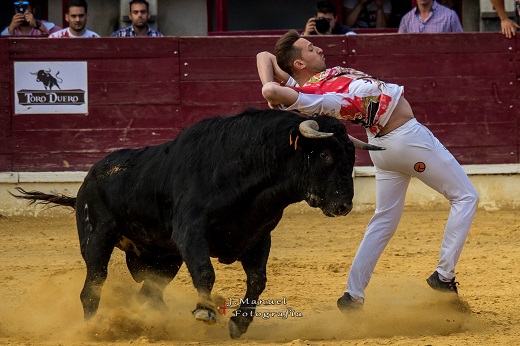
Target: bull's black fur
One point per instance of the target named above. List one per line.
(217, 190)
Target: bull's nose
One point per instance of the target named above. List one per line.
(344, 208)
(338, 210)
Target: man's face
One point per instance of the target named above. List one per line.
(331, 19)
(312, 58)
(139, 15)
(77, 19)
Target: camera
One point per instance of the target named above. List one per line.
(322, 25)
(21, 6)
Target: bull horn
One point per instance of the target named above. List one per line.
(309, 129)
(34, 73)
(358, 144)
(48, 71)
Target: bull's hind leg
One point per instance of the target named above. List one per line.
(96, 259)
(97, 243)
(254, 265)
(157, 275)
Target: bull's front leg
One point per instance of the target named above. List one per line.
(195, 254)
(254, 265)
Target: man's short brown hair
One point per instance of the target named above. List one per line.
(285, 51)
(77, 3)
(140, 2)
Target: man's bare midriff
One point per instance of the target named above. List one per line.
(401, 114)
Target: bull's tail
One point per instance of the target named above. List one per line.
(58, 78)
(37, 197)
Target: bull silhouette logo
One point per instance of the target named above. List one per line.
(62, 88)
(47, 79)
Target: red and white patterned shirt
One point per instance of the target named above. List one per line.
(347, 94)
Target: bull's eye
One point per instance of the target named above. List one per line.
(325, 156)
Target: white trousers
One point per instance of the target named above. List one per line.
(413, 151)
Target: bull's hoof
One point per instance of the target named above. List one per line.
(236, 329)
(205, 315)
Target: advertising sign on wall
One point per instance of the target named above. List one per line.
(43, 87)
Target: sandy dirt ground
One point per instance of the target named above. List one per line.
(42, 273)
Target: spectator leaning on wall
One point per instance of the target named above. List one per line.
(508, 26)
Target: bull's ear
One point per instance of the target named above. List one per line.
(294, 136)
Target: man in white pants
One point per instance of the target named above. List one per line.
(411, 151)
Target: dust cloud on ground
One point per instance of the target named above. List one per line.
(42, 274)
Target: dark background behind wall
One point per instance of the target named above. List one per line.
(199, 17)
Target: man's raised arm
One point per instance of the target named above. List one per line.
(268, 69)
(279, 96)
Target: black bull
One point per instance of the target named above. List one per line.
(47, 79)
(217, 190)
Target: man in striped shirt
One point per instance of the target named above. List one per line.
(139, 15)
(430, 16)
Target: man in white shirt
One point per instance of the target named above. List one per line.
(76, 16)
(308, 86)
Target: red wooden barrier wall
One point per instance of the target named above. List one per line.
(144, 91)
